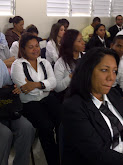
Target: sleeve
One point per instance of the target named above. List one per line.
(119, 78)
(3, 39)
(81, 135)
(108, 33)
(50, 82)
(85, 35)
(4, 75)
(14, 50)
(62, 80)
(51, 52)
(17, 73)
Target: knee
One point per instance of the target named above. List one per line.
(26, 128)
(6, 135)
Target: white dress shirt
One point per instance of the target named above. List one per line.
(62, 75)
(52, 52)
(18, 78)
(119, 147)
(14, 49)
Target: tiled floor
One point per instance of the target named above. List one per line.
(38, 154)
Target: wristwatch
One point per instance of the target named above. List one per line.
(42, 85)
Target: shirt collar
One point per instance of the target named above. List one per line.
(98, 102)
(102, 40)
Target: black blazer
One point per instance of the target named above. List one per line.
(113, 31)
(95, 42)
(87, 138)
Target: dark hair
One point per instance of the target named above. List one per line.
(96, 19)
(25, 37)
(81, 80)
(54, 33)
(63, 21)
(118, 16)
(97, 27)
(119, 37)
(66, 49)
(32, 29)
(16, 19)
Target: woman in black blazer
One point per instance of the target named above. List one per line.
(88, 132)
(99, 38)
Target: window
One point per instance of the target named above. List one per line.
(58, 7)
(7, 7)
(81, 7)
(99, 8)
(117, 7)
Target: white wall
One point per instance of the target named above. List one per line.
(34, 12)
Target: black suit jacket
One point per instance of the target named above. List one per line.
(87, 138)
(95, 42)
(113, 31)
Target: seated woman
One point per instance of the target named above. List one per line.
(14, 34)
(99, 38)
(72, 45)
(93, 117)
(36, 79)
(15, 45)
(53, 45)
(21, 132)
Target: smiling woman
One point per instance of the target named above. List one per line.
(35, 77)
(89, 134)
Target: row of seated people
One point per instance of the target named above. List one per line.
(35, 93)
(40, 106)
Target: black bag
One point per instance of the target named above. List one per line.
(10, 104)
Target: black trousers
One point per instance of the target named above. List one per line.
(45, 115)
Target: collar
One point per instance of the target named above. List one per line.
(98, 102)
(119, 27)
(102, 40)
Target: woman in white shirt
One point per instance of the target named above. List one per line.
(72, 46)
(38, 105)
(53, 45)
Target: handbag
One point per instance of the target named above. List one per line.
(10, 104)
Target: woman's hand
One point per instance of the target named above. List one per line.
(16, 90)
(29, 86)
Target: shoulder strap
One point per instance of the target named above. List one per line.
(26, 71)
(44, 70)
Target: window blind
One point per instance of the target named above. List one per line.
(81, 7)
(58, 7)
(7, 7)
(101, 8)
(117, 7)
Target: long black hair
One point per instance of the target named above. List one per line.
(81, 80)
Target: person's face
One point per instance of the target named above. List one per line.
(19, 26)
(103, 76)
(97, 23)
(101, 32)
(79, 44)
(119, 21)
(61, 31)
(32, 49)
(118, 47)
